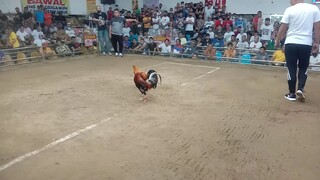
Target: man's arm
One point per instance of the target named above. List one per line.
(282, 31)
(316, 41)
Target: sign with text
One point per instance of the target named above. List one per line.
(53, 6)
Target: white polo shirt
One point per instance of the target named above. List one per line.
(300, 19)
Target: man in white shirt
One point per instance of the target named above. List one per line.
(189, 25)
(266, 31)
(298, 21)
(256, 44)
(208, 10)
(209, 22)
(165, 20)
(37, 33)
(227, 35)
(21, 34)
(39, 42)
(165, 47)
(126, 30)
(243, 44)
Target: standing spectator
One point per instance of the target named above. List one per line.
(18, 18)
(103, 36)
(209, 10)
(189, 26)
(146, 22)
(266, 31)
(115, 32)
(200, 22)
(61, 19)
(257, 21)
(298, 22)
(240, 22)
(28, 18)
(40, 16)
(165, 20)
(199, 10)
(179, 23)
(110, 13)
(47, 18)
(155, 23)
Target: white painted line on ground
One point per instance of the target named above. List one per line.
(61, 140)
(199, 77)
(184, 64)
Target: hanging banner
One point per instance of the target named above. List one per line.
(91, 6)
(53, 6)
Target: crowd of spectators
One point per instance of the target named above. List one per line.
(196, 26)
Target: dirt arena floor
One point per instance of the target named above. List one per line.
(82, 119)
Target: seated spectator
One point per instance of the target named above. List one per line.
(210, 52)
(61, 33)
(261, 56)
(256, 34)
(190, 51)
(62, 49)
(217, 41)
(126, 30)
(152, 46)
(126, 43)
(199, 41)
(196, 34)
(13, 41)
(209, 22)
(230, 52)
(240, 34)
(256, 44)
(46, 31)
(132, 36)
(243, 44)
(165, 47)
(182, 39)
(206, 41)
(210, 32)
(60, 19)
(40, 41)
(142, 46)
(200, 22)
(69, 31)
(279, 56)
(234, 40)
(74, 46)
(219, 30)
(37, 33)
(21, 34)
(177, 48)
(47, 51)
(134, 45)
(227, 35)
(54, 38)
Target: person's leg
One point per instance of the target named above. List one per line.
(100, 37)
(107, 41)
(304, 60)
(291, 53)
(114, 43)
(120, 41)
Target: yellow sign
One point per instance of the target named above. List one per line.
(91, 6)
(53, 6)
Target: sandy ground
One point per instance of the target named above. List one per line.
(201, 123)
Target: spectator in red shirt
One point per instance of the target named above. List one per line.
(47, 18)
(109, 14)
(257, 21)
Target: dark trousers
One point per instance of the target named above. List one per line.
(297, 55)
(117, 40)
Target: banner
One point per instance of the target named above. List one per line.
(53, 6)
(91, 6)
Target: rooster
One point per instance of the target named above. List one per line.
(145, 81)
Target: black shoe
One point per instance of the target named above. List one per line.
(300, 96)
(290, 96)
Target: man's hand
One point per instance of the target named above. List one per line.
(315, 49)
